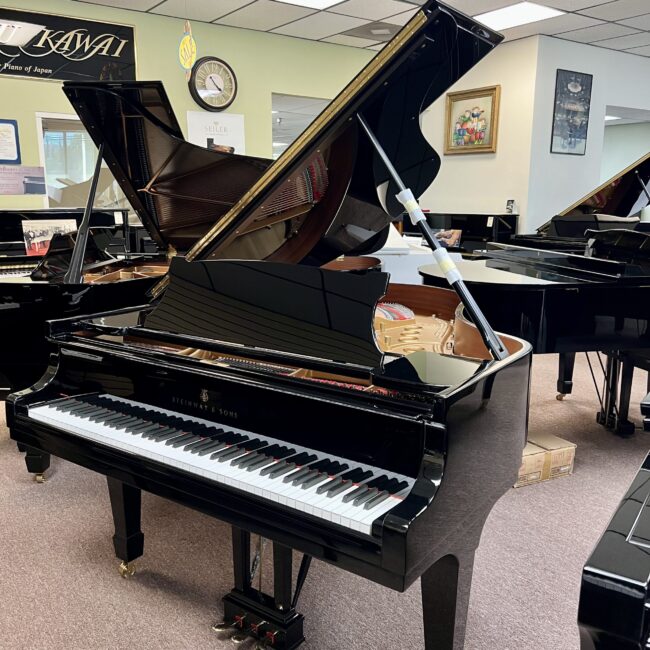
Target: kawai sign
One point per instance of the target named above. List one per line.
(46, 46)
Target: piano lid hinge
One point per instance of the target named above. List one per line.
(171, 252)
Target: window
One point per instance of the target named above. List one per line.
(69, 156)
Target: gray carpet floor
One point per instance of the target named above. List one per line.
(59, 587)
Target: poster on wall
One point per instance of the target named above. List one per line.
(38, 233)
(18, 179)
(571, 112)
(9, 143)
(217, 131)
(47, 46)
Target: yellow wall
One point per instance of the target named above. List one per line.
(263, 63)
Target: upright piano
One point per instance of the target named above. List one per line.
(614, 610)
(278, 397)
(577, 294)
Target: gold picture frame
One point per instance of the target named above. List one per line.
(472, 121)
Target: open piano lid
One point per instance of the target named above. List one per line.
(620, 196)
(327, 195)
(179, 190)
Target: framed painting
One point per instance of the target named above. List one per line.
(472, 121)
(571, 112)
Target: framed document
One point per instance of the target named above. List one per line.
(9, 143)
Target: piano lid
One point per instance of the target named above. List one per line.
(620, 196)
(328, 193)
(304, 311)
(179, 190)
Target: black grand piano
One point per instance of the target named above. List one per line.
(155, 167)
(614, 601)
(255, 391)
(576, 294)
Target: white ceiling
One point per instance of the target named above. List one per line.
(614, 24)
(291, 116)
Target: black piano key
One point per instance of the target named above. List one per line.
(185, 440)
(298, 474)
(276, 472)
(180, 437)
(259, 462)
(97, 415)
(330, 485)
(357, 475)
(244, 460)
(70, 405)
(227, 454)
(121, 422)
(88, 411)
(366, 496)
(198, 444)
(376, 500)
(362, 489)
(213, 446)
(337, 489)
(231, 446)
(378, 482)
(168, 434)
(318, 478)
(401, 485)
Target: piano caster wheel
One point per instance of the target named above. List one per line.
(560, 397)
(39, 478)
(126, 569)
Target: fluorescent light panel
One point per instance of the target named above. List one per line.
(313, 4)
(611, 118)
(521, 13)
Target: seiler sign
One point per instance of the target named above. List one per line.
(46, 46)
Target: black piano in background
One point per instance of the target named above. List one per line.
(574, 294)
(615, 204)
(269, 371)
(153, 163)
(614, 610)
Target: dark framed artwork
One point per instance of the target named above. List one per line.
(571, 112)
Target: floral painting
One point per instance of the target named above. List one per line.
(472, 118)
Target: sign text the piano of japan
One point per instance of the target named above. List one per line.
(47, 46)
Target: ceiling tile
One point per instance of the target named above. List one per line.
(643, 51)
(264, 15)
(138, 5)
(205, 10)
(551, 26)
(618, 10)
(401, 19)
(640, 22)
(320, 25)
(573, 5)
(626, 42)
(597, 33)
(369, 9)
(353, 41)
(474, 7)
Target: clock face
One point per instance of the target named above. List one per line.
(213, 84)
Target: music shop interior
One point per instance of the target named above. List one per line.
(325, 324)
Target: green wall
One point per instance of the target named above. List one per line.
(263, 63)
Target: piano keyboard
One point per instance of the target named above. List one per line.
(334, 489)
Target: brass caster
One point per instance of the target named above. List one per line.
(560, 396)
(126, 569)
(39, 478)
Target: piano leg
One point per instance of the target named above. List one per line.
(128, 540)
(565, 374)
(249, 612)
(37, 462)
(624, 427)
(445, 599)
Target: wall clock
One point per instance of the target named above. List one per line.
(213, 84)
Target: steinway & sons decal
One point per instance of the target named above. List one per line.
(45, 46)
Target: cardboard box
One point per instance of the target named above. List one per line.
(545, 457)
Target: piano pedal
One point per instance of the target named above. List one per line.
(232, 628)
(126, 569)
(39, 478)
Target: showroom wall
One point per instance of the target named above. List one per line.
(263, 63)
(623, 145)
(483, 182)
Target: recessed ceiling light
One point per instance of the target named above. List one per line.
(381, 31)
(610, 118)
(521, 13)
(313, 4)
